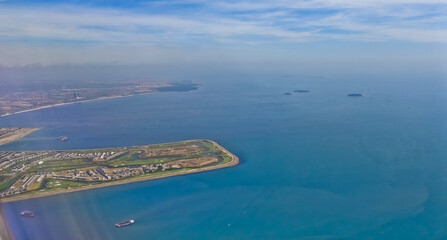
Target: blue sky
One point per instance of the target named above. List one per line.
(54, 32)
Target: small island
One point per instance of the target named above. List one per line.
(354, 95)
(287, 93)
(31, 174)
(301, 91)
(8, 135)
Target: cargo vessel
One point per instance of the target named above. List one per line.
(27, 213)
(125, 223)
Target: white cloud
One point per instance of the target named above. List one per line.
(277, 22)
(217, 23)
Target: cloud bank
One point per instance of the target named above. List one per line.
(200, 24)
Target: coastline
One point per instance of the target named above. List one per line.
(234, 161)
(17, 136)
(67, 103)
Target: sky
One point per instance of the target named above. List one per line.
(203, 31)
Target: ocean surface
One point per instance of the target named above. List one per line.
(317, 165)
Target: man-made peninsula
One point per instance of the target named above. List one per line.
(31, 174)
(8, 135)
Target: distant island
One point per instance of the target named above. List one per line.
(13, 102)
(287, 93)
(8, 135)
(301, 91)
(31, 174)
(354, 95)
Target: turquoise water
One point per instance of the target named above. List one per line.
(315, 165)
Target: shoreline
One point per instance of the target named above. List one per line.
(17, 136)
(234, 161)
(67, 103)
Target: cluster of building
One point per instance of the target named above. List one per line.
(7, 131)
(151, 84)
(162, 167)
(22, 170)
(25, 100)
(7, 159)
(75, 174)
(14, 102)
(100, 173)
(107, 155)
(23, 184)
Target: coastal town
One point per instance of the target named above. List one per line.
(27, 99)
(34, 173)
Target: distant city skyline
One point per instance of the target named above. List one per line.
(139, 32)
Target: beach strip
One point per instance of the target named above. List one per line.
(15, 134)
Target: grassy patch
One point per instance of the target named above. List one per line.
(58, 165)
(8, 182)
(57, 184)
(226, 159)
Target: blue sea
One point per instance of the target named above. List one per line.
(317, 165)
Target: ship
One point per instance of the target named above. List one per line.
(63, 138)
(125, 223)
(27, 213)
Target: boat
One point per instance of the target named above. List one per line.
(63, 138)
(125, 223)
(27, 213)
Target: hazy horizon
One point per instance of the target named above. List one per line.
(278, 35)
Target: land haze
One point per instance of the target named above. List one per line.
(29, 99)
